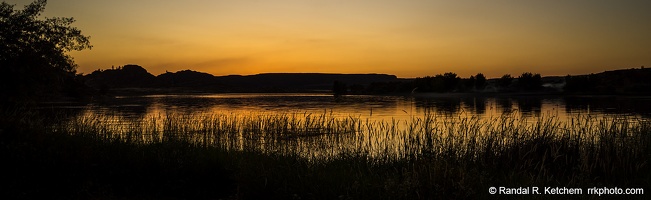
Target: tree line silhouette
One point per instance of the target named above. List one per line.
(450, 82)
(635, 81)
(134, 76)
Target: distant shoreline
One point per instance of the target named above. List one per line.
(191, 91)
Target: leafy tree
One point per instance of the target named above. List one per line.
(439, 83)
(529, 81)
(450, 81)
(505, 81)
(469, 83)
(33, 58)
(480, 81)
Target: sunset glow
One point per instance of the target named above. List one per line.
(405, 38)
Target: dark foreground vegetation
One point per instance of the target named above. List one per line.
(33, 59)
(260, 157)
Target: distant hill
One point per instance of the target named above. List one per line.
(121, 77)
(625, 81)
(186, 78)
(134, 76)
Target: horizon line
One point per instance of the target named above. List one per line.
(368, 73)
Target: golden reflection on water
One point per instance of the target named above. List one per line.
(390, 128)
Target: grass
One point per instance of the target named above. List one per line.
(318, 156)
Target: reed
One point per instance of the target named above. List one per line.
(326, 156)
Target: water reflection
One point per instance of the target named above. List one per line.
(504, 104)
(476, 105)
(365, 106)
(530, 106)
(132, 107)
(441, 106)
(609, 105)
(321, 125)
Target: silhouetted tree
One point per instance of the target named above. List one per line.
(439, 83)
(505, 81)
(468, 84)
(34, 56)
(424, 84)
(529, 81)
(480, 81)
(450, 81)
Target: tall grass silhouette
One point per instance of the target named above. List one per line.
(307, 155)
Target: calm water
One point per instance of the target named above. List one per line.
(379, 116)
(366, 106)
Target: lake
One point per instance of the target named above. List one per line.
(366, 106)
(322, 125)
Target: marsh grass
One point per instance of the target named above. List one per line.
(322, 156)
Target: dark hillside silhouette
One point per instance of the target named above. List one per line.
(339, 88)
(134, 76)
(630, 81)
(186, 78)
(625, 81)
(121, 77)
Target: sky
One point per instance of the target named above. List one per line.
(410, 38)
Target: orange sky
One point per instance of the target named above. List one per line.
(406, 38)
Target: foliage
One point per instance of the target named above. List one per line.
(450, 81)
(467, 84)
(447, 82)
(34, 56)
(528, 81)
(505, 81)
(480, 81)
